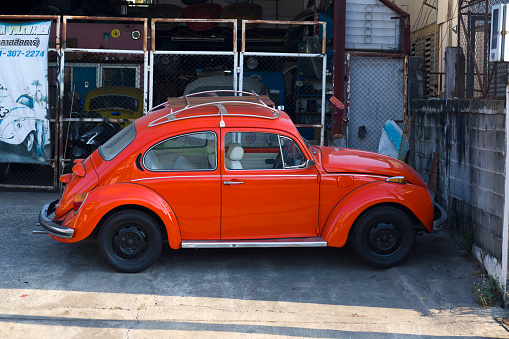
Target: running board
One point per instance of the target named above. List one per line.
(289, 242)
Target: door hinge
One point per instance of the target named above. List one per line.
(318, 178)
(317, 229)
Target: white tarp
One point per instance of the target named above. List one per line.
(392, 142)
(24, 123)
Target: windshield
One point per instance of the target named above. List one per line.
(117, 143)
(114, 101)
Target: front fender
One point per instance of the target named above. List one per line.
(413, 197)
(102, 200)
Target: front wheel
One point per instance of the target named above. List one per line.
(383, 236)
(130, 241)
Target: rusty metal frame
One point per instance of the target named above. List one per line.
(144, 52)
(322, 55)
(153, 50)
(484, 78)
(376, 55)
(58, 106)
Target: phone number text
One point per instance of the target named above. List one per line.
(26, 54)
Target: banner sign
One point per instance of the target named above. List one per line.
(24, 118)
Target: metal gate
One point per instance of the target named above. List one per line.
(175, 72)
(376, 92)
(296, 81)
(81, 68)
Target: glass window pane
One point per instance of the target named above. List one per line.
(189, 152)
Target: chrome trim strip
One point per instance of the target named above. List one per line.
(316, 242)
(179, 177)
(240, 175)
(52, 227)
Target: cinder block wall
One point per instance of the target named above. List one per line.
(469, 138)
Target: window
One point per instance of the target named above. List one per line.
(188, 152)
(257, 150)
(111, 148)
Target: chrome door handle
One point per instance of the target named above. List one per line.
(232, 182)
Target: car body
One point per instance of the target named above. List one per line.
(115, 102)
(204, 172)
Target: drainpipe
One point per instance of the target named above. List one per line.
(505, 226)
(338, 66)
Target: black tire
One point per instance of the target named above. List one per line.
(29, 145)
(383, 236)
(130, 241)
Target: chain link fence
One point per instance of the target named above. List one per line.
(482, 78)
(295, 81)
(371, 101)
(104, 87)
(179, 69)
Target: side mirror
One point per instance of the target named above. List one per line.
(310, 164)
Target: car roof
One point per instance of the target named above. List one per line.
(194, 111)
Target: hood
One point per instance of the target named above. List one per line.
(345, 160)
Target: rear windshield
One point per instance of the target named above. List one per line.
(111, 148)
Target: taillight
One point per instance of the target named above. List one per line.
(79, 170)
(65, 178)
(79, 199)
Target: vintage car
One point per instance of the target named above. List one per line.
(232, 171)
(115, 102)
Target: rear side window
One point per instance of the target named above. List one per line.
(187, 152)
(111, 148)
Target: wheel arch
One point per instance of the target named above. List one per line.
(92, 216)
(139, 208)
(415, 203)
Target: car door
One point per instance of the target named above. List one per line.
(183, 170)
(267, 191)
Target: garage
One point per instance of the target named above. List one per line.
(109, 63)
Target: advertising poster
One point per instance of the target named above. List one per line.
(24, 116)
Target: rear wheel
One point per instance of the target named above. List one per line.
(130, 241)
(383, 236)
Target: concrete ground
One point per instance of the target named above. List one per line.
(54, 290)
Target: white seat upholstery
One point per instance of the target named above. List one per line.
(152, 161)
(211, 151)
(183, 164)
(235, 152)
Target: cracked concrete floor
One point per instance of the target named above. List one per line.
(50, 289)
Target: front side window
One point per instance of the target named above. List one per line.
(259, 150)
(187, 152)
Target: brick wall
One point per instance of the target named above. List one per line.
(469, 138)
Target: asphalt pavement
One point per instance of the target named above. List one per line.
(53, 290)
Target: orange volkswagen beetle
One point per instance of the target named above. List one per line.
(233, 171)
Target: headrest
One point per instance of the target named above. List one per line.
(232, 145)
(211, 146)
(236, 152)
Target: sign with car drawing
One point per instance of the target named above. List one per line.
(24, 123)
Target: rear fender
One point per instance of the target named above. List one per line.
(343, 216)
(105, 199)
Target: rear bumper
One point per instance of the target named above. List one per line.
(52, 227)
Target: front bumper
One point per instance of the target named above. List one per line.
(441, 221)
(52, 227)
